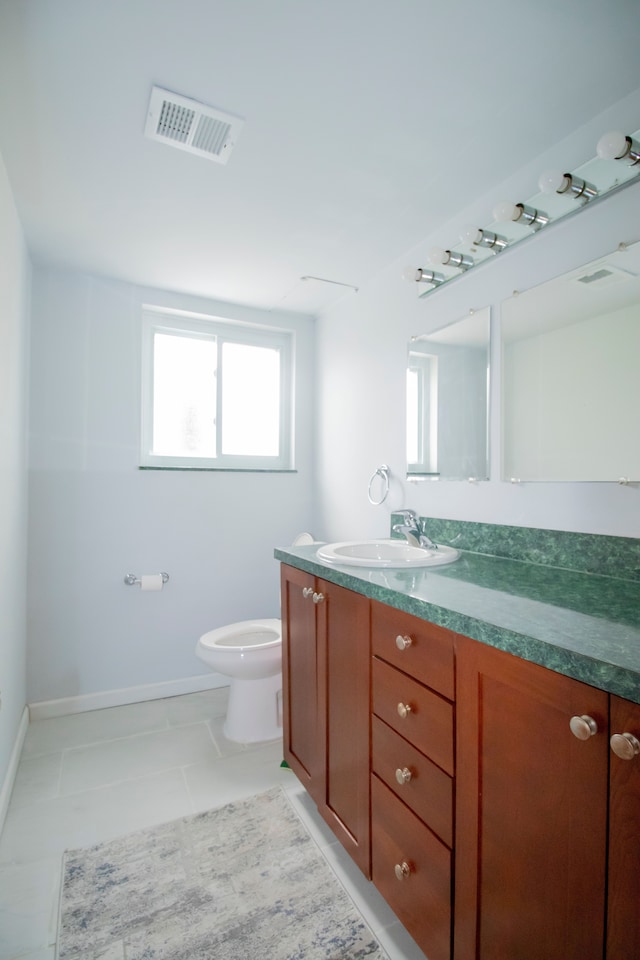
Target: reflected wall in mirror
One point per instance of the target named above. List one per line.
(447, 401)
(570, 374)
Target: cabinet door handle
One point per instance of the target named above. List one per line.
(318, 597)
(403, 775)
(583, 727)
(402, 870)
(625, 745)
(403, 642)
(404, 709)
(307, 591)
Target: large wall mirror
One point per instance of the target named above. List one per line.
(447, 401)
(570, 379)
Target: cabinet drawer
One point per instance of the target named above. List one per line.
(428, 723)
(429, 792)
(421, 900)
(429, 655)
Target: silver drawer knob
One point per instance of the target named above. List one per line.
(318, 597)
(307, 592)
(583, 727)
(403, 642)
(402, 870)
(403, 775)
(625, 745)
(404, 709)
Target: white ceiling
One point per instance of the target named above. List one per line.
(367, 124)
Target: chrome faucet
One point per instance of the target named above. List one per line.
(410, 528)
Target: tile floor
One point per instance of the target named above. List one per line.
(94, 776)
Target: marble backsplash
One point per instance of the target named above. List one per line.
(585, 552)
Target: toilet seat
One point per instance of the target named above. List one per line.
(246, 634)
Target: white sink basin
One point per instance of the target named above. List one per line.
(385, 553)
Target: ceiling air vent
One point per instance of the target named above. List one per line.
(191, 126)
(604, 275)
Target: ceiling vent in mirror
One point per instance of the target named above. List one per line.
(191, 126)
(603, 276)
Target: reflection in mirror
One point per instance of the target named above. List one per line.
(570, 381)
(447, 401)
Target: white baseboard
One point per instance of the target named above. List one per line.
(45, 709)
(7, 786)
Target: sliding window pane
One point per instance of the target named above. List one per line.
(250, 400)
(184, 396)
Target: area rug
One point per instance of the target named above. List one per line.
(244, 882)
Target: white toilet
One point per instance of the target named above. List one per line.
(250, 654)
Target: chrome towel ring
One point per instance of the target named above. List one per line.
(382, 472)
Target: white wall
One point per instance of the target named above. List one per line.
(94, 516)
(362, 352)
(14, 338)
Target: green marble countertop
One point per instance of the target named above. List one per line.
(586, 626)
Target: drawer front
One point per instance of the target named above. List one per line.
(422, 899)
(415, 779)
(429, 655)
(428, 723)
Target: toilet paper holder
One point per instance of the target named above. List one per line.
(131, 579)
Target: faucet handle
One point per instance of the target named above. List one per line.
(407, 514)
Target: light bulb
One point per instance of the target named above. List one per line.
(418, 275)
(412, 273)
(612, 146)
(471, 235)
(438, 256)
(505, 211)
(552, 181)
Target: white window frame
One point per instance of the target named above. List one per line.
(156, 320)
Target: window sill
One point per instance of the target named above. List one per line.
(222, 469)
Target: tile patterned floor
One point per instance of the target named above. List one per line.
(95, 776)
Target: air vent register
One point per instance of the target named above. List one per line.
(191, 126)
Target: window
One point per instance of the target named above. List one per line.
(216, 394)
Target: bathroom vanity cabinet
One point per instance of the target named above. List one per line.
(502, 825)
(325, 672)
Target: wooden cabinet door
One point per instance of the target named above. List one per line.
(531, 812)
(344, 710)
(303, 748)
(623, 916)
(326, 664)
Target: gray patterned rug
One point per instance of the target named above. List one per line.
(245, 882)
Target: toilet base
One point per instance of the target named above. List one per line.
(254, 710)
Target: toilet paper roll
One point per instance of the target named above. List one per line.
(151, 581)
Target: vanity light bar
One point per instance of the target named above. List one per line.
(558, 187)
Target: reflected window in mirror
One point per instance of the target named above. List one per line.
(422, 412)
(447, 401)
(570, 383)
